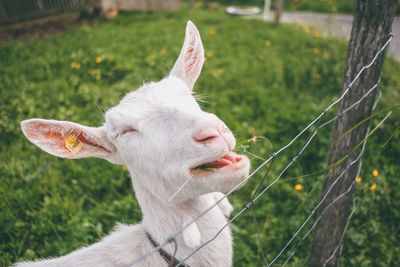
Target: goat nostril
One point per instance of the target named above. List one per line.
(206, 134)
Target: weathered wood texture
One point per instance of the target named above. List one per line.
(371, 28)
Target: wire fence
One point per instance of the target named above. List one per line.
(316, 123)
(18, 10)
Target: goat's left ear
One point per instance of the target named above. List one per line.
(69, 140)
(190, 61)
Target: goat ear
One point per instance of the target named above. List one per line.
(55, 136)
(190, 61)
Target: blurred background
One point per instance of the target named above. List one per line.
(266, 76)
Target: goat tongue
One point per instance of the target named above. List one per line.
(219, 163)
(232, 157)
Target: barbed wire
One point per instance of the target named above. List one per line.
(270, 160)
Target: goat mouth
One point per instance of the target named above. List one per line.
(227, 160)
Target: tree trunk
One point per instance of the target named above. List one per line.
(279, 5)
(371, 28)
(267, 9)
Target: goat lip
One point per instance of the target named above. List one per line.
(229, 159)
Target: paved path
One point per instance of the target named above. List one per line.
(340, 26)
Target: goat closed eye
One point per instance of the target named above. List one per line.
(127, 131)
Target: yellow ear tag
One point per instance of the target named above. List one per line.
(73, 144)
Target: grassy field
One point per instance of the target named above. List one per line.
(258, 78)
(324, 6)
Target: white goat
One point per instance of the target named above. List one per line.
(163, 138)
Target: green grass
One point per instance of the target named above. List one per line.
(324, 6)
(51, 206)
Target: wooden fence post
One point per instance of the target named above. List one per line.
(371, 28)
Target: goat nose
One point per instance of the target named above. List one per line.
(206, 134)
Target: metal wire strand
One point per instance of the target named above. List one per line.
(317, 220)
(175, 251)
(254, 216)
(342, 236)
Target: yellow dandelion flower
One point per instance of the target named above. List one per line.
(358, 180)
(315, 50)
(373, 187)
(375, 173)
(267, 42)
(98, 60)
(212, 32)
(218, 72)
(198, 3)
(299, 187)
(317, 34)
(73, 65)
(78, 65)
(326, 54)
(210, 54)
(163, 51)
(307, 29)
(334, 9)
(318, 75)
(124, 168)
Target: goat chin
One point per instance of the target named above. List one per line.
(161, 135)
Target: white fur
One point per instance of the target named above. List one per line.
(159, 132)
